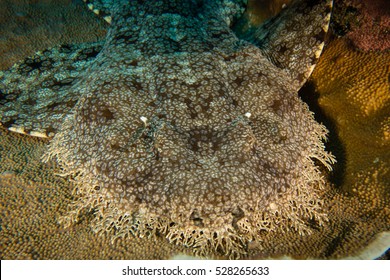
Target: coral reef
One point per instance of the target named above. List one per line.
(32, 199)
(366, 23)
(28, 25)
(160, 142)
(359, 81)
(32, 195)
(356, 202)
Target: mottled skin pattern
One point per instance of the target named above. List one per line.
(176, 126)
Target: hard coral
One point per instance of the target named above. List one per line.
(27, 26)
(206, 144)
(349, 78)
(366, 23)
(355, 216)
(32, 200)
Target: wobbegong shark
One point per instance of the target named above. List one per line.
(179, 125)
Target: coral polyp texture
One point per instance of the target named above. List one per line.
(364, 88)
(178, 129)
(32, 200)
(365, 23)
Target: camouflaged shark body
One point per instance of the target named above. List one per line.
(175, 125)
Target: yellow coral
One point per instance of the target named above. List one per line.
(354, 93)
(359, 78)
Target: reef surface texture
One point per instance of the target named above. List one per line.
(174, 128)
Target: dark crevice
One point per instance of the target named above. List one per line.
(336, 242)
(309, 95)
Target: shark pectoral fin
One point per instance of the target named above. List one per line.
(102, 8)
(293, 39)
(37, 93)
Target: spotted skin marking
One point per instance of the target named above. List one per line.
(177, 126)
